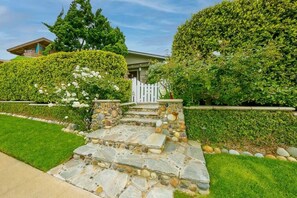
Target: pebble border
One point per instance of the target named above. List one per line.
(287, 157)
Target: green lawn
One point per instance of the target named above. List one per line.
(242, 176)
(39, 144)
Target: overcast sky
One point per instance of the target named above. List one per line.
(149, 25)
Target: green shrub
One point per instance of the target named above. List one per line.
(233, 26)
(244, 77)
(255, 127)
(18, 78)
(58, 113)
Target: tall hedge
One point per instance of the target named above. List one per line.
(237, 25)
(17, 78)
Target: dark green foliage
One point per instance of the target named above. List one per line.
(244, 77)
(39, 144)
(57, 113)
(17, 79)
(80, 29)
(260, 128)
(241, 26)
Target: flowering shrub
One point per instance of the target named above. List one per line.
(87, 85)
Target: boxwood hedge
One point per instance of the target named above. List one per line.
(17, 78)
(57, 113)
(253, 127)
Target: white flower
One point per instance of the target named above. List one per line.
(68, 94)
(116, 87)
(97, 95)
(58, 90)
(77, 67)
(216, 53)
(86, 69)
(73, 94)
(50, 105)
(84, 93)
(66, 117)
(40, 91)
(35, 85)
(76, 104)
(99, 76)
(75, 84)
(220, 41)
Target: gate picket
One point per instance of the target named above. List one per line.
(142, 93)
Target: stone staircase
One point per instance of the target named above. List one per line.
(141, 115)
(131, 160)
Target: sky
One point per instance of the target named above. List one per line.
(148, 25)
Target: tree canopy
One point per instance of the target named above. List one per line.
(81, 29)
(237, 27)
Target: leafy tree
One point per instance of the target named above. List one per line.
(238, 26)
(81, 29)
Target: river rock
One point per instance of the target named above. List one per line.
(174, 182)
(270, 156)
(246, 153)
(259, 155)
(281, 158)
(282, 152)
(292, 151)
(145, 173)
(217, 150)
(207, 149)
(233, 152)
(225, 150)
(292, 159)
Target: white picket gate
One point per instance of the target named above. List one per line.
(144, 93)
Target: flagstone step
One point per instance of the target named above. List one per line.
(139, 121)
(110, 183)
(135, 138)
(145, 107)
(141, 114)
(181, 161)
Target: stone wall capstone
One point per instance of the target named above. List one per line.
(106, 114)
(172, 120)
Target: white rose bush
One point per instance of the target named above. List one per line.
(85, 86)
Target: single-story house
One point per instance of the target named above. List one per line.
(138, 62)
(2, 61)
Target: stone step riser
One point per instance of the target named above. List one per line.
(164, 179)
(153, 110)
(152, 116)
(138, 123)
(135, 148)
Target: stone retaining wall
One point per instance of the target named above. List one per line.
(106, 114)
(171, 120)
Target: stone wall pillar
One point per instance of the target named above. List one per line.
(172, 120)
(106, 114)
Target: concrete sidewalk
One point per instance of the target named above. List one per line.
(19, 180)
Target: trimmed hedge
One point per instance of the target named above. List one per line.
(17, 78)
(254, 127)
(57, 113)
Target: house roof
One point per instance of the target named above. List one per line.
(19, 49)
(3, 61)
(147, 54)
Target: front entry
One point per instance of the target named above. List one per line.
(145, 93)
